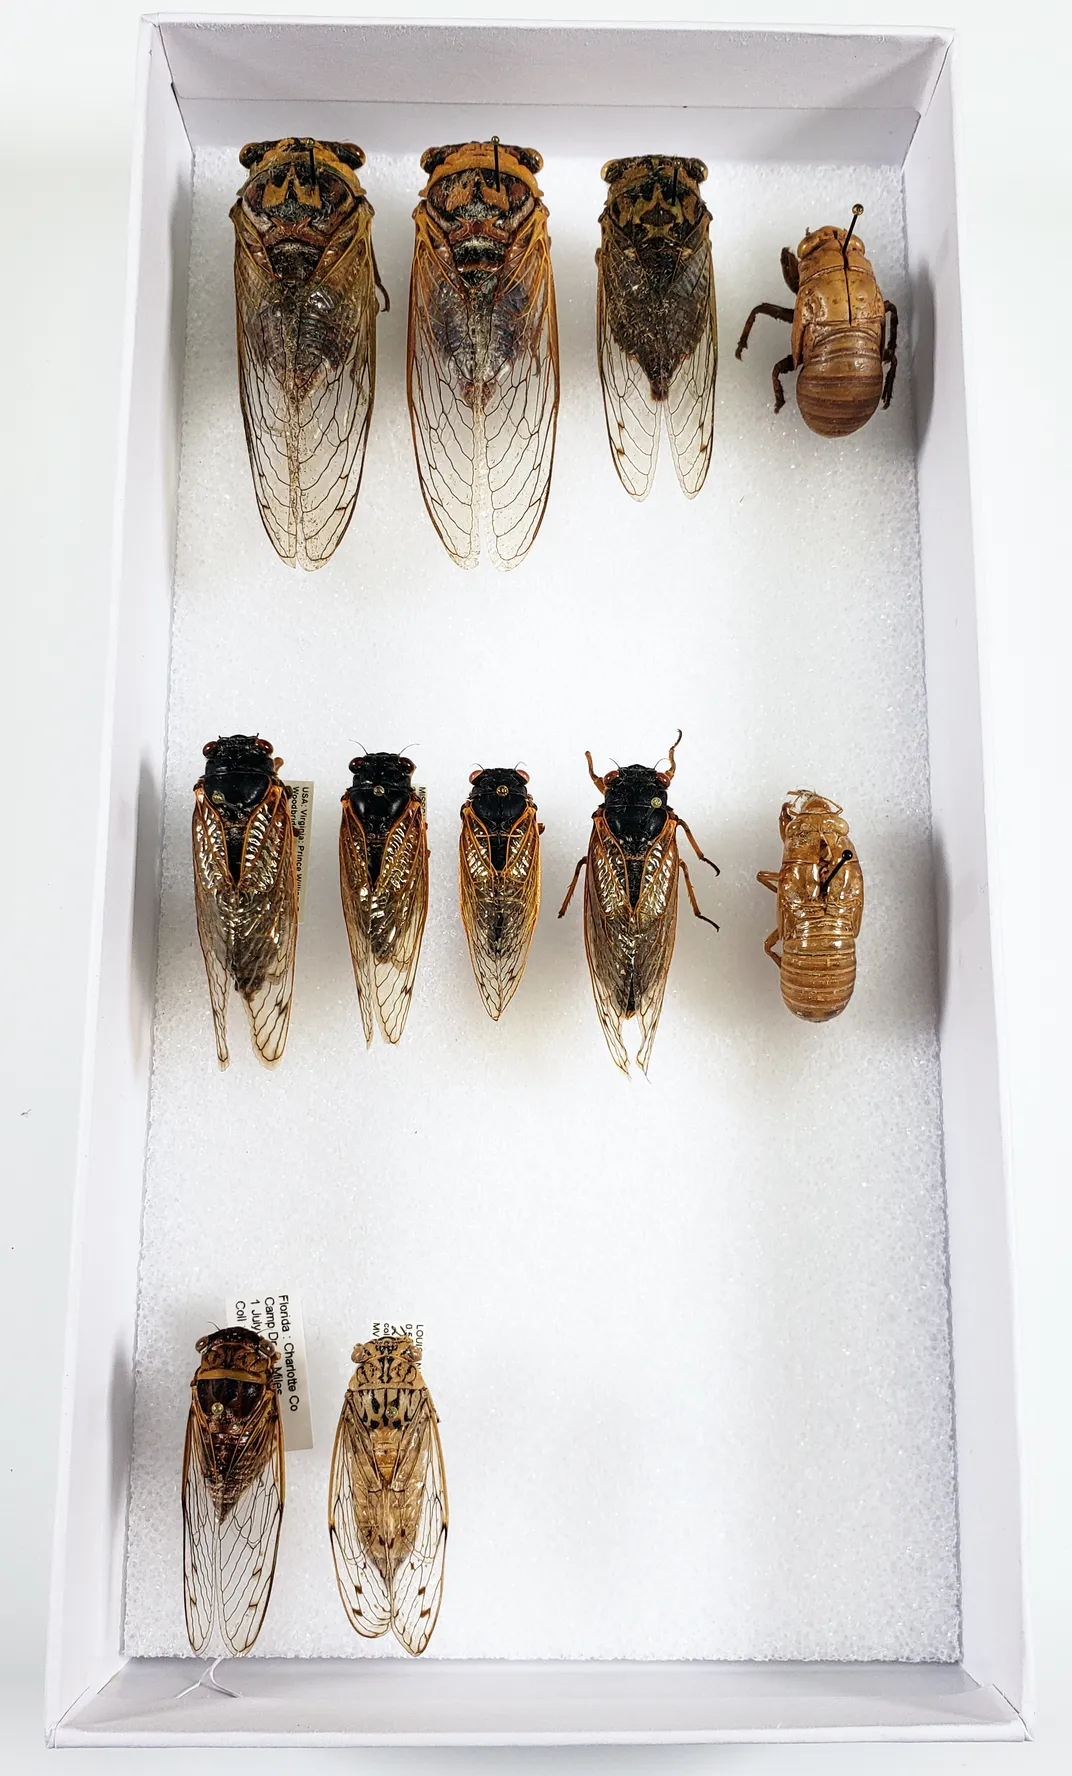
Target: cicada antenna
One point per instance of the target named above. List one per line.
(598, 781)
(670, 756)
(846, 857)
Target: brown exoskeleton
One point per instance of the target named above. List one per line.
(820, 889)
(840, 341)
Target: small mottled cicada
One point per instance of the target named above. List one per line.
(387, 1497)
(383, 870)
(246, 888)
(820, 889)
(499, 881)
(305, 287)
(839, 341)
(630, 900)
(655, 318)
(482, 364)
(232, 1488)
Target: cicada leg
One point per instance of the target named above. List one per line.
(690, 891)
(572, 886)
(763, 308)
(889, 356)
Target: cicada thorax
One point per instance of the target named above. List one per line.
(658, 222)
(499, 799)
(239, 771)
(820, 908)
(389, 1394)
(636, 811)
(838, 334)
(300, 200)
(381, 792)
(233, 1377)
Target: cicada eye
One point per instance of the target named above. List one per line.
(408, 766)
(265, 745)
(209, 748)
(524, 776)
(354, 764)
(473, 775)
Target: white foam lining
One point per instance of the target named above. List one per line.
(688, 1338)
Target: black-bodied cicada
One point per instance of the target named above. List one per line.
(656, 325)
(482, 361)
(383, 871)
(232, 1488)
(499, 881)
(305, 289)
(630, 900)
(246, 888)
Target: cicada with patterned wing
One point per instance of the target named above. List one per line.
(499, 881)
(630, 900)
(383, 870)
(655, 318)
(232, 1488)
(306, 291)
(387, 1499)
(246, 888)
(820, 889)
(482, 367)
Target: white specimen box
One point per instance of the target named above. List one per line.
(881, 103)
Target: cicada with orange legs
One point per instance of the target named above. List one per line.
(306, 288)
(246, 888)
(820, 889)
(482, 361)
(630, 900)
(387, 1498)
(232, 1489)
(499, 881)
(383, 872)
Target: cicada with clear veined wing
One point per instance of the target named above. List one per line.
(306, 292)
(630, 900)
(246, 888)
(383, 871)
(656, 325)
(499, 881)
(482, 369)
(820, 889)
(387, 1499)
(232, 1489)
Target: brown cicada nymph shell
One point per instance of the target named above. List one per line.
(306, 293)
(387, 1498)
(482, 359)
(655, 319)
(232, 1489)
(246, 888)
(820, 889)
(383, 875)
(840, 343)
(499, 881)
(630, 900)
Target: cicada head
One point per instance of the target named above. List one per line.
(499, 797)
(298, 192)
(381, 788)
(655, 198)
(636, 805)
(238, 771)
(385, 1363)
(480, 191)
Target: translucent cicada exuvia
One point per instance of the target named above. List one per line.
(499, 881)
(630, 900)
(482, 364)
(655, 318)
(387, 1498)
(306, 292)
(383, 872)
(232, 1489)
(246, 888)
(820, 889)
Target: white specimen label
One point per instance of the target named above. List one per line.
(301, 814)
(422, 797)
(411, 1329)
(276, 1315)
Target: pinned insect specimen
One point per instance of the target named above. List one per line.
(499, 881)
(387, 1498)
(305, 289)
(482, 366)
(630, 900)
(246, 888)
(820, 889)
(383, 870)
(655, 318)
(840, 340)
(232, 1488)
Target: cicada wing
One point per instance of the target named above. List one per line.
(499, 907)
(519, 414)
(630, 409)
(247, 1536)
(417, 1581)
(266, 923)
(608, 936)
(655, 929)
(690, 404)
(199, 1526)
(355, 1516)
(356, 887)
(445, 425)
(213, 901)
(398, 913)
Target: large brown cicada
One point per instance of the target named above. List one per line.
(499, 881)
(482, 372)
(305, 287)
(246, 888)
(656, 326)
(820, 889)
(232, 1488)
(630, 900)
(383, 872)
(387, 1498)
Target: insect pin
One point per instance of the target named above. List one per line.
(383, 874)
(499, 881)
(820, 889)
(630, 900)
(840, 340)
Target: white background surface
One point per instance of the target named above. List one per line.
(66, 109)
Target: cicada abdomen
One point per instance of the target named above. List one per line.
(482, 359)
(306, 293)
(630, 900)
(655, 320)
(820, 889)
(499, 881)
(387, 1498)
(383, 871)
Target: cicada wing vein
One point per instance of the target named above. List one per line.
(199, 1526)
(690, 404)
(213, 892)
(356, 887)
(355, 1494)
(520, 407)
(499, 907)
(629, 948)
(385, 920)
(232, 1514)
(266, 923)
(445, 426)
(630, 410)
(655, 922)
(417, 1582)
